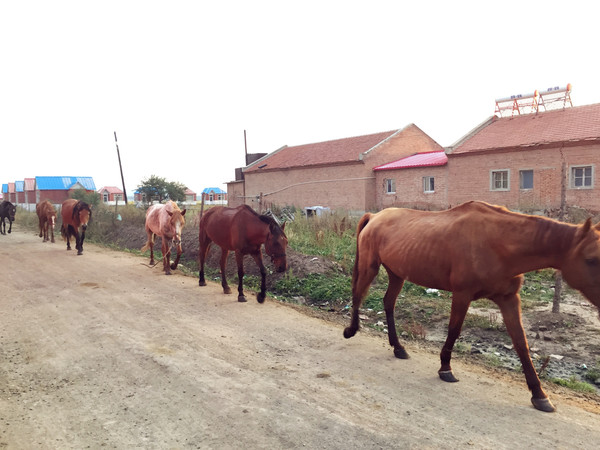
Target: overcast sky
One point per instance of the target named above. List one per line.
(180, 81)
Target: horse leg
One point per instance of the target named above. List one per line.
(78, 241)
(9, 226)
(2, 227)
(460, 305)
(51, 233)
(67, 235)
(395, 284)
(204, 246)
(223, 262)
(179, 252)
(510, 306)
(263, 277)
(364, 274)
(166, 251)
(41, 228)
(239, 259)
(81, 239)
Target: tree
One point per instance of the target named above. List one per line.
(158, 189)
(91, 198)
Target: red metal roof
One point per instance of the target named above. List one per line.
(580, 123)
(111, 190)
(329, 152)
(419, 160)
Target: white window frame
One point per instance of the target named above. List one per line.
(521, 180)
(572, 176)
(390, 186)
(428, 185)
(492, 186)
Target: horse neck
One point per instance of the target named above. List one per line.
(542, 243)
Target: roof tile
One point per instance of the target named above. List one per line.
(578, 123)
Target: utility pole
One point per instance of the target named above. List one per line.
(558, 280)
(121, 169)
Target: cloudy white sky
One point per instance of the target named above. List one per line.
(180, 81)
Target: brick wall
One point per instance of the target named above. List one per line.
(410, 192)
(350, 186)
(469, 177)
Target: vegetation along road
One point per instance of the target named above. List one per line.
(102, 350)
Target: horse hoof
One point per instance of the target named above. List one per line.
(242, 299)
(226, 291)
(80, 252)
(349, 332)
(543, 404)
(173, 266)
(201, 283)
(260, 298)
(401, 353)
(447, 376)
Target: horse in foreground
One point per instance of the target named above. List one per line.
(47, 219)
(166, 221)
(475, 251)
(7, 211)
(75, 214)
(243, 231)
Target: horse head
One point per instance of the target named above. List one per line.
(177, 221)
(581, 268)
(83, 212)
(276, 244)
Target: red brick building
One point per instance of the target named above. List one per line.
(417, 181)
(111, 195)
(523, 161)
(337, 174)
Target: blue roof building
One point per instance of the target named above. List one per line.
(64, 183)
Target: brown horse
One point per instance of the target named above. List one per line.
(166, 221)
(7, 211)
(47, 218)
(475, 251)
(75, 214)
(243, 231)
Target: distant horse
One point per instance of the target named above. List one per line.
(242, 230)
(474, 250)
(75, 214)
(166, 221)
(7, 211)
(47, 218)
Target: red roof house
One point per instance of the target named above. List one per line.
(111, 194)
(416, 181)
(337, 174)
(525, 161)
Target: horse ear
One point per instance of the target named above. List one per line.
(597, 227)
(283, 226)
(583, 230)
(183, 212)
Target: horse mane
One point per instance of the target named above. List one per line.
(80, 206)
(264, 218)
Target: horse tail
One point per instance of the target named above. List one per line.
(362, 223)
(63, 231)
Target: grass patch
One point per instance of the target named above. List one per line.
(574, 384)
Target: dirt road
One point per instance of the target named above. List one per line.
(100, 350)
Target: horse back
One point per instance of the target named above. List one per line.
(442, 249)
(234, 228)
